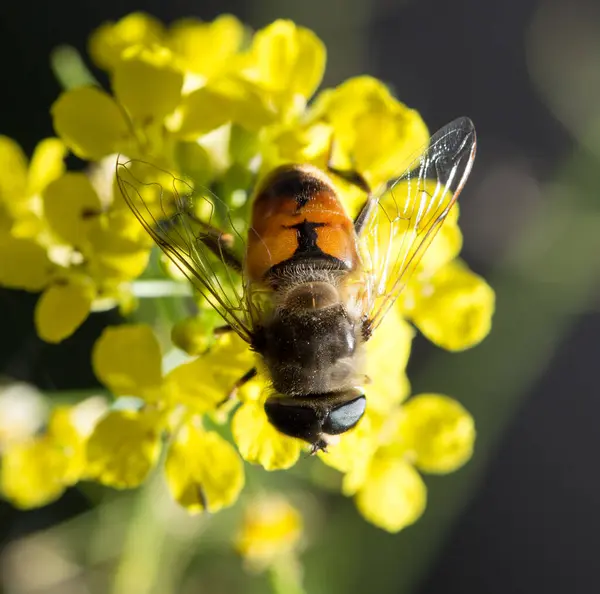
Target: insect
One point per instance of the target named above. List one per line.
(305, 285)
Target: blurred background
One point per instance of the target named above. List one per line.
(523, 515)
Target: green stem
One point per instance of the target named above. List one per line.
(152, 289)
(286, 576)
(69, 397)
(69, 68)
(158, 545)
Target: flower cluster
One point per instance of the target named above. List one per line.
(218, 106)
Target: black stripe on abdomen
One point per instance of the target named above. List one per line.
(306, 234)
(307, 257)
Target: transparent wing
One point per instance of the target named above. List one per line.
(198, 233)
(397, 225)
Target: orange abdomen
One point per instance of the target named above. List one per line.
(296, 214)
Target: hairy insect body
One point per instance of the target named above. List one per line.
(302, 245)
(312, 344)
(316, 284)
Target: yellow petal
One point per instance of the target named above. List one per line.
(446, 245)
(72, 207)
(387, 356)
(205, 382)
(13, 171)
(352, 454)
(259, 442)
(110, 40)
(289, 58)
(69, 424)
(127, 359)
(24, 264)
(394, 496)
(454, 310)
(252, 108)
(148, 86)
(62, 308)
(291, 143)
(114, 256)
(203, 470)
(374, 132)
(190, 38)
(90, 123)
(192, 335)
(63, 431)
(385, 142)
(201, 111)
(5, 220)
(438, 432)
(47, 164)
(124, 447)
(271, 529)
(310, 62)
(32, 473)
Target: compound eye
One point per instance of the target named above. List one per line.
(345, 416)
(293, 418)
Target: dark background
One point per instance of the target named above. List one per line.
(528, 521)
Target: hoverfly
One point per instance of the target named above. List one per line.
(308, 285)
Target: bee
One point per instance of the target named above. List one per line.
(305, 285)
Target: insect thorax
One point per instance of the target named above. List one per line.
(311, 344)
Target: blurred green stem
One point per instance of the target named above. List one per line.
(286, 576)
(144, 289)
(69, 68)
(155, 555)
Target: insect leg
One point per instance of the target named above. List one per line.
(250, 374)
(351, 176)
(218, 243)
(356, 179)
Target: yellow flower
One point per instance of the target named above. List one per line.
(33, 472)
(24, 264)
(268, 84)
(453, 308)
(271, 530)
(193, 99)
(430, 432)
(22, 182)
(387, 356)
(374, 133)
(62, 308)
(127, 360)
(37, 470)
(202, 469)
(259, 442)
(147, 88)
(201, 48)
(219, 368)
(437, 432)
(124, 447)
(295, 142)
(190, 38)
(393, 495)
(287, 62)
(80, 259)
(107, 43)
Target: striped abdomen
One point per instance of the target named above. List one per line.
(297, 217)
